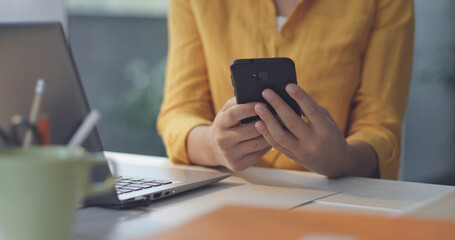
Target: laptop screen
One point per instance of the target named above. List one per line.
(33, 51)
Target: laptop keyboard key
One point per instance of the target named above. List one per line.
(123, 192)
(135, 186)
(132, 188)
(162, 182)
(129, 184)
(154, 184)
(137, 179)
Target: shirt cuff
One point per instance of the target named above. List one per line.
(175, 140)
(387, 152)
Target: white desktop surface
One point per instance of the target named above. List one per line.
(257, 187)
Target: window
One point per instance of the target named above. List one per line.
(120, 50)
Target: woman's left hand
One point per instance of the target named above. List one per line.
(317, 144)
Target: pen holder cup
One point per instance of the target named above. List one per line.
(42, 187)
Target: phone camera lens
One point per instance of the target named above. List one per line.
(263, 76)
(254, 76)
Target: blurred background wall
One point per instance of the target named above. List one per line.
(33, 10)
(120, 50)
(429, 129)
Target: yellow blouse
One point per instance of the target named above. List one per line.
(354, 57)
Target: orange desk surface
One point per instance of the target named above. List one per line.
(236, 222)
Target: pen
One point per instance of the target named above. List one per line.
(34, 111)
(84, 130)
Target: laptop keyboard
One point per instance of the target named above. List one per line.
(125, 185)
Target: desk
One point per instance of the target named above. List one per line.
(256, 186)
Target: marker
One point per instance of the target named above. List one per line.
(84, 130)
(34, 111)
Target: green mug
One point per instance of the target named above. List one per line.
(41, 189)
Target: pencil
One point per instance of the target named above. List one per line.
(84, 130)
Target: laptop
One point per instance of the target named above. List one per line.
(39, 50)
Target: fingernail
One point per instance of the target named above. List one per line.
(260, 109)
(258, 126)
(291, 88)
(267, 94)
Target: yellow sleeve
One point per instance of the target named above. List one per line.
(380, 102)
(187, 102)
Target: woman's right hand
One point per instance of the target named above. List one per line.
(226, 142)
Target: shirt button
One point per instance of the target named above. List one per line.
(287, 34)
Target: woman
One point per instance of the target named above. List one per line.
(353, 61)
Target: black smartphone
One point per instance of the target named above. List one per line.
(251, 76)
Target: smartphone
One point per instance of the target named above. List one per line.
(251, 76)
